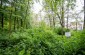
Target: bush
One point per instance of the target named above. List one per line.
(40, 41)
(61, 31)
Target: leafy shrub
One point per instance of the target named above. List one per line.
(61, 31)
(40, 41)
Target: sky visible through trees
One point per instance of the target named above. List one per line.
(79, 6)
(42, 27)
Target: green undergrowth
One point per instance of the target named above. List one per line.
(40, 41)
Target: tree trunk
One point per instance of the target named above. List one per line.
(15, 20)
(67, 16)
(62, 21)
(2, 21)
(17, 23)
(14, 23)
(2, 18)
(84, 22)
(76, 25)
(50, 21)
(62, 17)
(68, 13)
(21, 23)
(26, 16)
(84, 16)
(10, 21)
(67, 22)
(53, 22)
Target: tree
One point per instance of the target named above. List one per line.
(59, 8)
(15, 14)
(84, 16)
(2, 15)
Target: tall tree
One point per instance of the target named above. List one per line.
(58, 7)
(10, 17)
(15, 2)
(14, 13)
(84, 16)
(2, 18)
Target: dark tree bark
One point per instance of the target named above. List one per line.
(53, 22)
(21, 23)
(10, 23)
(14, 23)
(76, 24)
(2, 21)
(68, 8)
(53, 19)
(2, 18)
(84, 16)
(15, 20)
(62, 17)
(15, 16)
(67, 22)
(67, 16)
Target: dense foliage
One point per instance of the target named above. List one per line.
(15, 14)
(22, 32)
(40, 41)
(61, 31)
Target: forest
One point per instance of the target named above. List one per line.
(42, 27)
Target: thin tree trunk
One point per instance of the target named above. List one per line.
(68, 14)
(53, 22)
(50, 21)
(67, 22)
(76, 25)
(14, 23)
(15, 20)
(10, 21)
(26, 16)
(2, 18)
(21, 20)
(21, 23)
(84, 22)
(67, 17)
(62, 17)
(2, 21)
(17, 23)
(84, 16)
